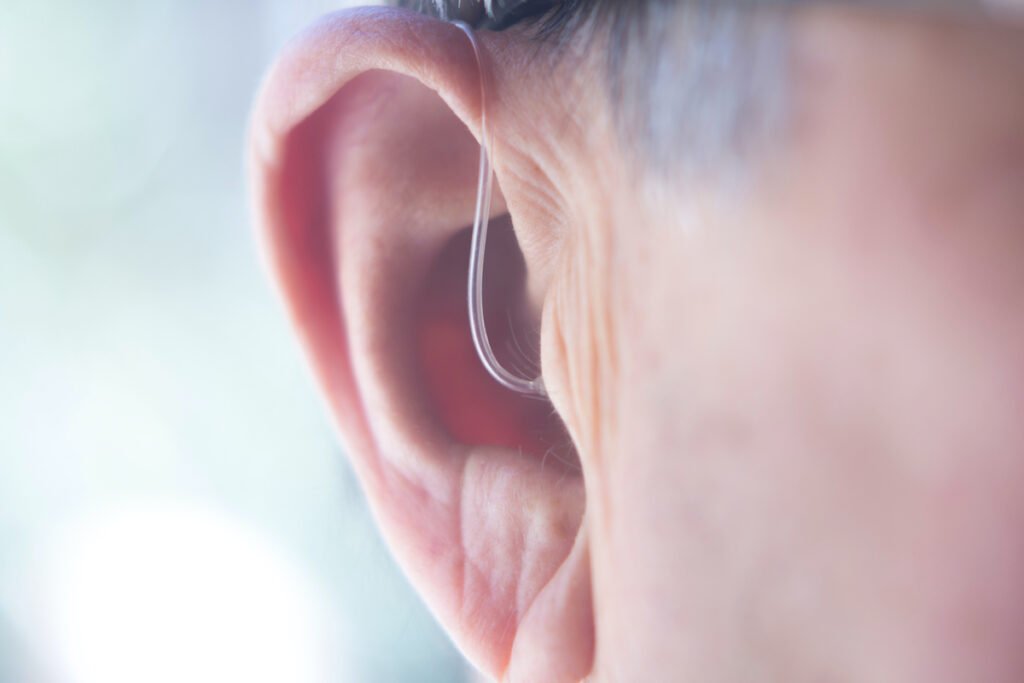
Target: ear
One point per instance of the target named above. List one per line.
(363, 162)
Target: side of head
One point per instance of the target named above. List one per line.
(767, 261)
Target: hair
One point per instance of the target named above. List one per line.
(695, 85)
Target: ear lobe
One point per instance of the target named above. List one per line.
(363, 170)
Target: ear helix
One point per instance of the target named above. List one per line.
(478, 247)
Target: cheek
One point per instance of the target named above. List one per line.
(820, 452)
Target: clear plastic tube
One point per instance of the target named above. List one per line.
(478, 249)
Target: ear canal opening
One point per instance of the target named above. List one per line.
(471, 406)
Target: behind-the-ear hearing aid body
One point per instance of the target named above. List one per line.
(489, 14)
(478, 248)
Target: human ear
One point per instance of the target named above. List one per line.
(363, 164)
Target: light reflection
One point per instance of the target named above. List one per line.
(142, 357)
(179, 593)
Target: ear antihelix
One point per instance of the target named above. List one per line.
(478, 248)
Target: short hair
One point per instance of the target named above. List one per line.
(693, 85)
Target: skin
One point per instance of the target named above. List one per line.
(787, 416)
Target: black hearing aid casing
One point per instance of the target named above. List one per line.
(495, 15)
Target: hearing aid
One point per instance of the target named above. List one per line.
(478, 249)
(494, 15)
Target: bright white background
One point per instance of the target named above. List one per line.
(172, 504)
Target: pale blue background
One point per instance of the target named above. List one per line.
(148, 384)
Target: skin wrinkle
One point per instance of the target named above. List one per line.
(542, 210)
(586, 347)
(593, 373)
(583, 341)
(541, 182)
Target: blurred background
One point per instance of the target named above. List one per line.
(173, 506)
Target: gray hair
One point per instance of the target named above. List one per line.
(699, 86)
(694, 85)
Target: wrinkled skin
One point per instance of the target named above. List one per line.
(786, 432)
